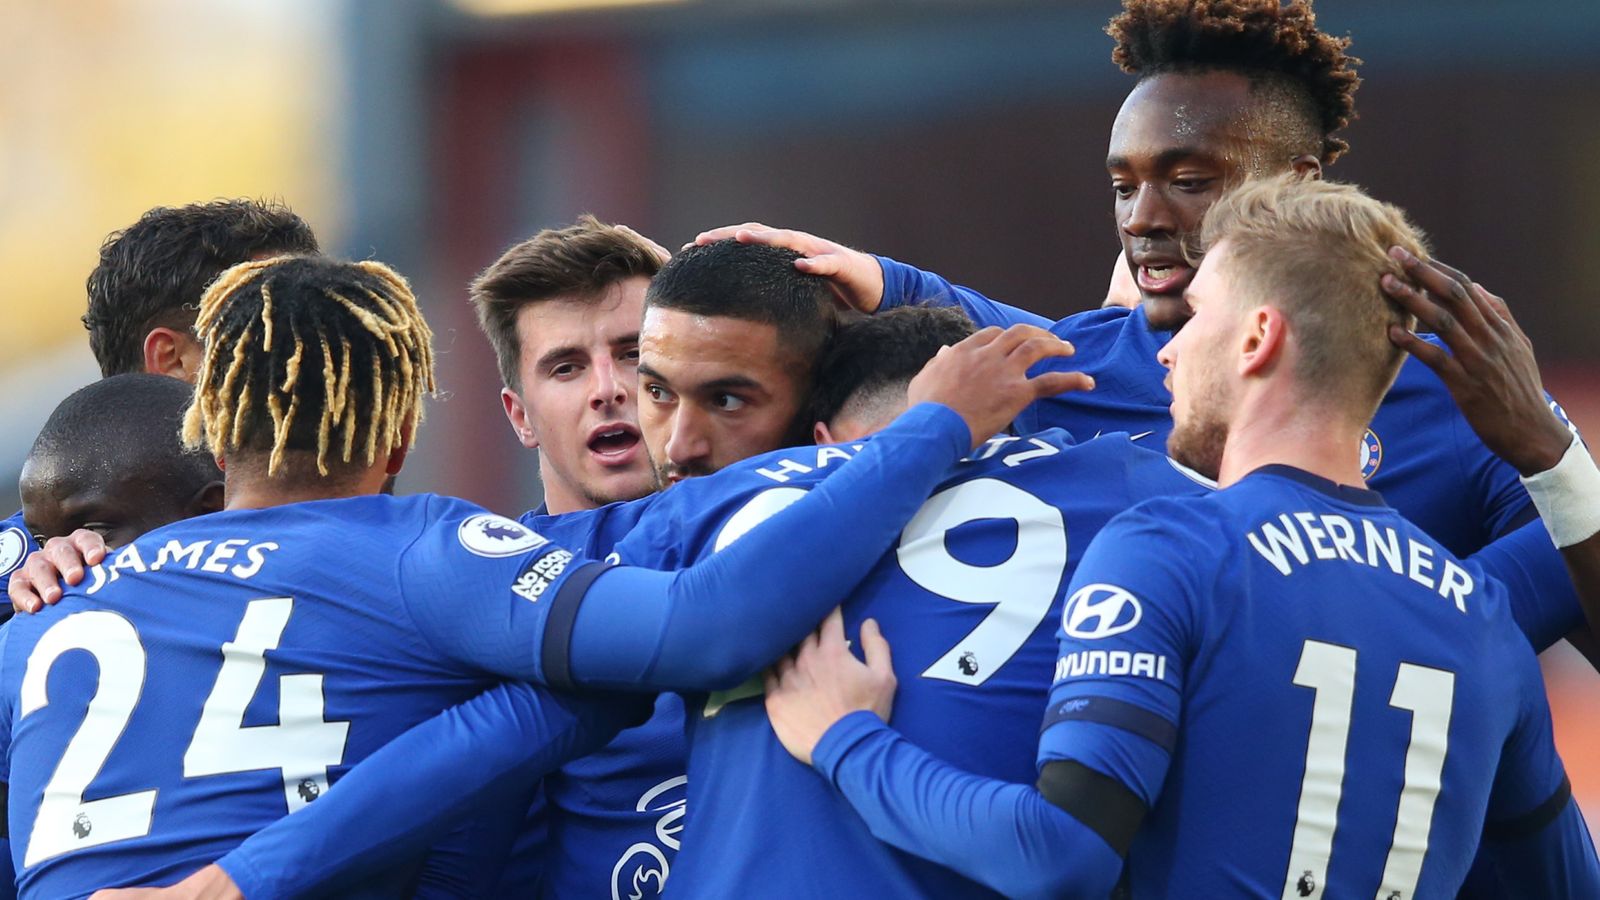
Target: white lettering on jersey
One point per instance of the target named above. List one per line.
(1111, 662)
(642, 870)
(176, 555)
(1285, 542)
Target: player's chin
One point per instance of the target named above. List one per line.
(1165, 312)
(613, 485)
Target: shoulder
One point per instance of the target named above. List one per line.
(1095, 323)
(15, 543)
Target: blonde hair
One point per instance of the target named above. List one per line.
(1316, 250)
(309, 354)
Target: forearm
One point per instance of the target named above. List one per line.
(399, 800)
(1539, 583)
(715, 624)
(1006, 836)
(905, 285)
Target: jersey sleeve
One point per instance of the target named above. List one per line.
(1126, 638)
(905, 285)
(716, 623)
(1006, 836)
(397, 801)
(8, 872)
(480, 589)
(470, 860)
(16, 543)
(1544, 602)
(1535, 841)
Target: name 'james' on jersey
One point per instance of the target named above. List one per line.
(223, 671)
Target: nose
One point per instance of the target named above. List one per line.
(1148, 212)
(688, 440)
(608, 386)
(1168, 354)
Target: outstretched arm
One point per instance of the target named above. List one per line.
(1491, 371)
(869, 283)
(717, 623)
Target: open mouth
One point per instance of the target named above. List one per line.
(615, 443)
(1164, 277)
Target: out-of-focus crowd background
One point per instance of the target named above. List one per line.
(965, 136)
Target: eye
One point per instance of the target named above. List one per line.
(1122, 190)
(1193, 185)
(563, 371)
(727, 402)
(658, 393)
(630, 355)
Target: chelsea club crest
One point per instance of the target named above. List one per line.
(1371, 454)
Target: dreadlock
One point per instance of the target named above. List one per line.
(1272, 43)
(314, 354)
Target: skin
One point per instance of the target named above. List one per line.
(713, 391)
(577, 397)
(1179, 141)
(59, 497)
(173, 353)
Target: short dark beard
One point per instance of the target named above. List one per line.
(1199, 445)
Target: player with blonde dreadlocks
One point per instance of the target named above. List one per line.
(306, 355)
(359, 615)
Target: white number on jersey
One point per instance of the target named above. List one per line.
(1330, 671)
(302, 744)
(1022, 590)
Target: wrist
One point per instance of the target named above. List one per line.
(840, 737)
(1567, 495)
(1543, 451)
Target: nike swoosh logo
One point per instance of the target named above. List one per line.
(1140, 435)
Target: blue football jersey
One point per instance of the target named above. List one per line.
(1314, 697)
(223, 671)
(967, 600)
(1419, 451)
(606, 824)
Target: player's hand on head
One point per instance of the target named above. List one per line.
(856, 277)
(822, 682)
(37, 582)
(985, 377)
(1490, 367)
(210, 883)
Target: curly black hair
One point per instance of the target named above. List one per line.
(1272, 42)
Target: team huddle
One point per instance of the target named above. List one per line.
(849, 581)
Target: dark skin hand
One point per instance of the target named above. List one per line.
(1493, 376)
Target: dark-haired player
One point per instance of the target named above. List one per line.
(1227, 91)
(108, 459)
(974, 577)
(309, 390)
(1342, 705)
(146, 287)
(561, 310)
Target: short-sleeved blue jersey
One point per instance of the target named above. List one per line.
(1314, 697)
(606, 824)
(233, 666)
(967, 599)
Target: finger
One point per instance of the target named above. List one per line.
(1451, 272)
(1432, 355)
(1429, 311)
(43, 577)
(1448, 286)
(726, 232)
(983, 337)
(876, 648)
(831, 634)
(1049, 384)
(1037, 348)
(1019, 335)
(23, 599)
(66, 559)
(826, 265)
(91, 546)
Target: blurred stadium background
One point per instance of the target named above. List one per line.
(966, 136)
